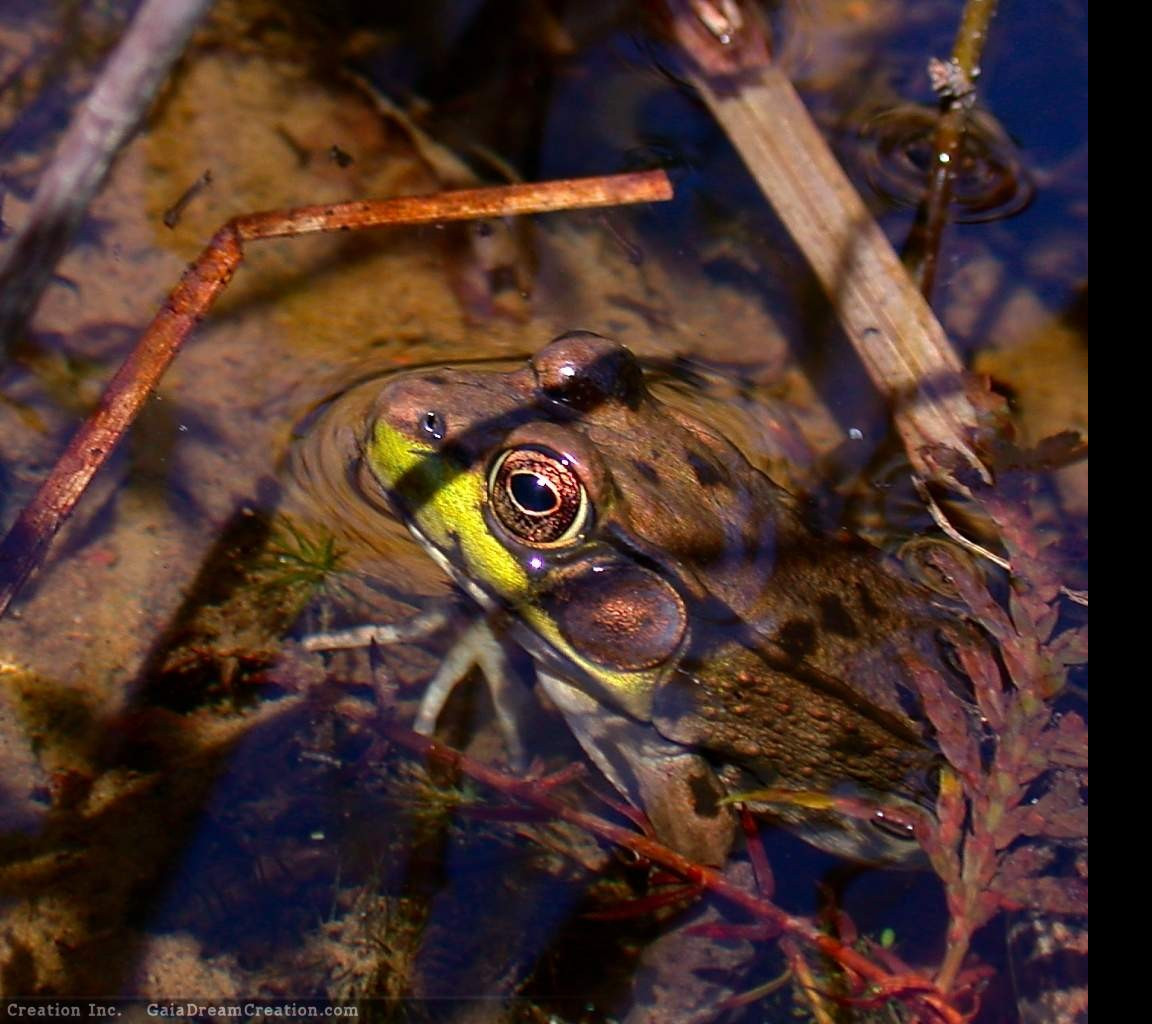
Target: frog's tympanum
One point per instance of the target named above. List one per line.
(697, 636)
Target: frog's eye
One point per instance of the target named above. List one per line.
(538, 497)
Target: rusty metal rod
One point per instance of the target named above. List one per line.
(24, 547)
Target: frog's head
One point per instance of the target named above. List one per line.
(564, 493)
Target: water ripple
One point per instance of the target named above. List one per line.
(989, 180)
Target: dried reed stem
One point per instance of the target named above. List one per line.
(898, 338)
(103, 123)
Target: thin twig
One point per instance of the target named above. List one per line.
(466, 204)
(174, 212)
(123, 398)
(972, 36)
(745, 998)
(28, 540)
(942, 521)
(897, 336)
(955, 82)
(102, 125)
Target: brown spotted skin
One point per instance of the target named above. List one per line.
(780, 652)
(813, 690)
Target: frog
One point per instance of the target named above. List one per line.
(700, 638)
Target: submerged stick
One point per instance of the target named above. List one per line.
(103, 123)
(28, 540)
(896, 335)
(954, 81)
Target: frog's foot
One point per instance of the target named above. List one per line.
(852, 823)
(478, 646)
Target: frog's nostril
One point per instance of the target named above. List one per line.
(432, 424)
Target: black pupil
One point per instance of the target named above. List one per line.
(532, 492)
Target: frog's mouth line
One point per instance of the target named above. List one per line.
(473, 589)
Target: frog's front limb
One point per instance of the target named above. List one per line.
(692, 969)
(675, 786)
(478, 646)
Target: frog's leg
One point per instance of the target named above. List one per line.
(674, 786)
(477, 646)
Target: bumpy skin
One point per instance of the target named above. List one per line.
(689, 624)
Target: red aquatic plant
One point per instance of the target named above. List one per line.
(1011, 810)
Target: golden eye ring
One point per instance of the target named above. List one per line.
(538, 497)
